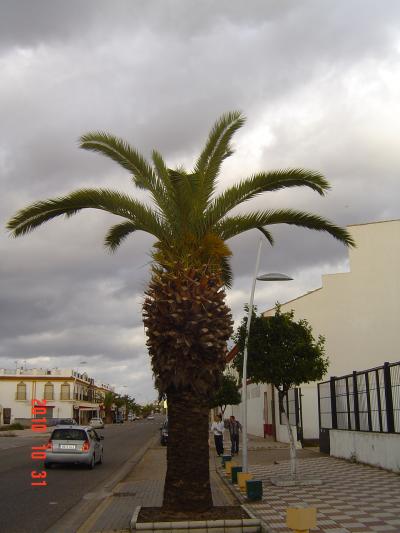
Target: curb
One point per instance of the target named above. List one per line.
(243, 524)
(82, 516)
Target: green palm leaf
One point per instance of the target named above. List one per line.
(215, 151)
(263, 182)
(120, 151)
(232, 226)
(113, 202)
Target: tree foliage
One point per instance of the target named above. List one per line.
(189, 220)
(281, 350)
(227, 393)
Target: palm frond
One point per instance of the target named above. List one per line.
(227, 275)
(114, 202)
(217, 131)
(120, 151)
(162, 171)
(267, 235)
(118, 233)
(215, 151)
(263, 182)
(129, 158)
(231, 226)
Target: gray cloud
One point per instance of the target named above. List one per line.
(319, 82)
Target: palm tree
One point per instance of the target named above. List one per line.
(108, 402)
(186, 319)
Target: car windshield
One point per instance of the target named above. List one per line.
(66, 421)
(69, 434)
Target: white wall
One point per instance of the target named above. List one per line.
(309, 404)
(377, 449)
(34, 389)
(358, 311)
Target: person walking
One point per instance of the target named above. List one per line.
(234, 427)
(217, 428)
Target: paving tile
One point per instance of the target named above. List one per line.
(344, 501)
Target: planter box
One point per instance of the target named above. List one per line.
(248, 525)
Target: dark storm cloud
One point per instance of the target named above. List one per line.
(319, 82)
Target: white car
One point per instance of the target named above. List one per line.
(96, 423)
(74, 445)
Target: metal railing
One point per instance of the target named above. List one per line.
(362, 401)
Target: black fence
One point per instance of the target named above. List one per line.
(361, 401)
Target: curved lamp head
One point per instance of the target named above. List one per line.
(274, 276)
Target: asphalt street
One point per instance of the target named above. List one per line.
(24, 508)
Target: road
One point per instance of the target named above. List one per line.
(35, 509)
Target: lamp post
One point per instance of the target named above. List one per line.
(265, 277)
(75, 390)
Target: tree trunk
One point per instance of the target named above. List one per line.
(187, 484)
(293, 453)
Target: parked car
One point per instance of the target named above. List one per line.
(164, 433)
(74, 445)
(66, 422)
(151, 417)
(96, 423)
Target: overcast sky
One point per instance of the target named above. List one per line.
(319, 82)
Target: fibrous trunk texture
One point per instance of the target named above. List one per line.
(187, 325)
(187, 483)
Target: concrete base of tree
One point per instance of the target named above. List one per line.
(248, 525)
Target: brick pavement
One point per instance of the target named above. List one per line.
(144, 486)
(353, 498)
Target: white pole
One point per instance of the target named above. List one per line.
(244, 381)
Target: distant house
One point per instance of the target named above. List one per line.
(68, 394)
(358, 312)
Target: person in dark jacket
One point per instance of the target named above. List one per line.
(234, 427)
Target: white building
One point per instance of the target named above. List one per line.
(358, 313)
(68, 394)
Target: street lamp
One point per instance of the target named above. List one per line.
(275, 276)
(75, 389)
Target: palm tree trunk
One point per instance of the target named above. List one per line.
(187, 484)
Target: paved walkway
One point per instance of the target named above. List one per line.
(16, 439)
(144, 486)
(353, 498)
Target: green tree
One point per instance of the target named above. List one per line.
(185, 315)
(108, 403)
(227, 393)
(283, 352)
(147, 410)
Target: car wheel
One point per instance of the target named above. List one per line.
(47, 465)
(92, 463)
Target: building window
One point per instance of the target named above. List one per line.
(21, 391)
(49, 391)
(65, 391)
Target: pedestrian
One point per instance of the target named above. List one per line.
(234, 427)
(217, 428)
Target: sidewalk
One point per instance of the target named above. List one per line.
(20, 438)
(144, 486)
(352, 497)
(25, 433)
